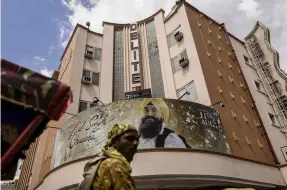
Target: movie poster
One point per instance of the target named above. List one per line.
(162, 123)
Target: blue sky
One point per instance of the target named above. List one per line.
(30, 33)
(35, 32)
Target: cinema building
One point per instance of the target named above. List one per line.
(185, 55)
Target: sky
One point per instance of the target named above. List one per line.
(35, 32)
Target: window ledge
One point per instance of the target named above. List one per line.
(262, 92)
(275, 125)
(271, 104)
(250, 65)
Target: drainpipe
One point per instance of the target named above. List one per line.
(252, 100)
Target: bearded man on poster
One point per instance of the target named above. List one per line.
(153, 131)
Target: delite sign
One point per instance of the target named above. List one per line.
(161, 123)
(135, 58)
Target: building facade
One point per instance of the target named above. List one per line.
(184, 55)
(268, 84)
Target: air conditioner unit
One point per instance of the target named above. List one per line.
(86, 80)
(178, 36)
(89, 54)
(183, 62)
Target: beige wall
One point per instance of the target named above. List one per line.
(165, 59)
(38, 161)
(277, 138)
(106, 79)
(194, 71)
(283, 170)
(42, 162)
(192, 165)
(261, 100)
(144, 58)
(93, 65)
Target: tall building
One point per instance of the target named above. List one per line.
(267, 83)
(165, 57)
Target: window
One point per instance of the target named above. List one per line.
(272, 118)
(83, 106)
(248, 61)
(170, 38)
(98, 53)
(258, 85)
(95, 76)
(192, 96)
(175, 61)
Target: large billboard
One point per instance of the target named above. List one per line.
(162, 123)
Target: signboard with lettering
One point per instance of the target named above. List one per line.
(146, 93)
(135, 58)
(160, 122)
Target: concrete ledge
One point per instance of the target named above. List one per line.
(175, 169)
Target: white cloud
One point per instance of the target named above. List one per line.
(239, 16)
(250, 7)
(51, 49)
(46, 72)
(39, 59)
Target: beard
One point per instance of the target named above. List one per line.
(150, 127)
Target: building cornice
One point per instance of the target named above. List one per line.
(72, 36)
(150, 18)
(270, 47)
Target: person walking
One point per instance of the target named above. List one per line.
(112, 170)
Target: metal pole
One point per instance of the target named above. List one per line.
(184, 95)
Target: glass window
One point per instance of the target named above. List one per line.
(191, 95)
(175, 64)
(246, 59)
(170, 38)
(183, 54)
(272, 118)
(154, 61)
(98, 53)
(83, 106)
(181, 93)
(258, 85)
(95, 78)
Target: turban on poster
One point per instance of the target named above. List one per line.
(160, 105)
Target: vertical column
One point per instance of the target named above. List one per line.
(154, 62)
(106, 82)
(118, 68)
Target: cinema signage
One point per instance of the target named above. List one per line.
(145, 93)
(135, 58)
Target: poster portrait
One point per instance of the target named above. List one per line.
(162, 123)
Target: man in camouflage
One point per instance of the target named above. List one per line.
(111, 171)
